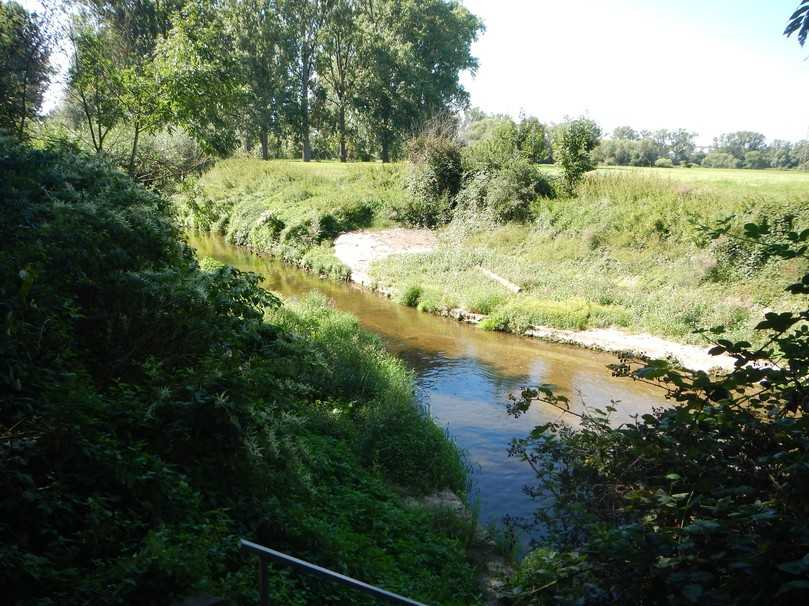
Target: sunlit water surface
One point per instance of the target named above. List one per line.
(464, 375)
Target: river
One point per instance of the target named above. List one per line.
(464, 374)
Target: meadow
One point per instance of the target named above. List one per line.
(626, 250)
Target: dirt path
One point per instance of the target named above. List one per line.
(359, 249)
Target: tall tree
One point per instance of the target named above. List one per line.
(338, 65)
(739, 143)
(304, 20)
(411, 70)
(24, 68)
(681, 146)
(264, 58)
(625, 132)
(131, 30)
(201, 76)
(95, 81)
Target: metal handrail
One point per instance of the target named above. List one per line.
(265, 553)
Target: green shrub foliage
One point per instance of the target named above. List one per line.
(507, 193)
(703, 502)
(433, 180)
(153, 411)
(573, 143)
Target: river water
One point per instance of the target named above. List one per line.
(464, 375)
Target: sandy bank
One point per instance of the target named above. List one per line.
(358, 250)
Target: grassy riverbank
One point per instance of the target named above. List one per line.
(157, 409)
(624, 251)
(290, 209)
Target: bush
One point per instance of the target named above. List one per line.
(508, 193)
(419, 212)
(410, 296)
(573, 143)
(433, 179)
(497, 148)
(706, 500)
(664, 163)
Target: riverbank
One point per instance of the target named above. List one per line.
(210, 408)
(359, 251)
(622, 266)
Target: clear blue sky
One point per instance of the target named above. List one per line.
(710, 66)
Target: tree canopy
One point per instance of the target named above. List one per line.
(272, 70)
(24, 66)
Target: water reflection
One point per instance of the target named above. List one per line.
(464, 374)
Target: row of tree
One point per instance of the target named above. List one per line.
(741, 149)
(345, 76)
(629, 147)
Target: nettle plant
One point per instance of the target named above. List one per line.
(704, 501)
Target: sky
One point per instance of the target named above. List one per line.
(710, 66)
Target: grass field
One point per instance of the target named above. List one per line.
(625, 251)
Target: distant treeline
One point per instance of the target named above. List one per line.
(741, 149)
(629, 147)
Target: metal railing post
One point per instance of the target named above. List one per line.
(263, 582)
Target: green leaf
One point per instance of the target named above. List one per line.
(693, 592)
(796, 567)
(792, 586)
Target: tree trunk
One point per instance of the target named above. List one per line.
(265, 151)
(341, 125)
(134, 152)
(307, 146)
(385, 149)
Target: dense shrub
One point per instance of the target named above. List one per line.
(423, 212)
(150, 416)
(664, 163)
(495, 150)
(507, 193)
(493, 142)
(704, 501)
(433, 179)
(739, 258)
(573, 143)
(410, 296)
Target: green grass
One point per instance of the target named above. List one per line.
(623, 252)
(289, 208)
(769, 182)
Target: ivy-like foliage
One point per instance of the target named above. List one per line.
(705, 501)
